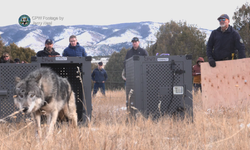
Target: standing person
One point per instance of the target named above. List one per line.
(74, 49)
(196, 72)
(48, 50)
(224, 42)
(5, 58)
(135, 50)
(99, 76)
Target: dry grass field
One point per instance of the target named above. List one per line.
(109, 129)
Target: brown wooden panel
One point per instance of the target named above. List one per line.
(226, 85)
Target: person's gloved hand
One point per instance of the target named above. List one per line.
(211, 62)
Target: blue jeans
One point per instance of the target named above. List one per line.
(97, 86)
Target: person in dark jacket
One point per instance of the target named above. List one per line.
(224, 43)
(17, 61)
(74, 49)
(5, 58)
(135, 50)
(48, 50)
(99, 76)
(196, 72)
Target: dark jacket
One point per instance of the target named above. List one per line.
(140, 51)
(75, 51)
(221, 45)
(45, 53)
(3, 61)
(99, 75)
(196, 71)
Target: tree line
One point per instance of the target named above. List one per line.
(23, 54)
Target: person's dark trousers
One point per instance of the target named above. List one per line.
(97, 86)
(197, 87)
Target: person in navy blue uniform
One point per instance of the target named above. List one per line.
(74, 49)
(224, 43)
(99, 76)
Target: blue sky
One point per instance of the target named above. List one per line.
(104, 12)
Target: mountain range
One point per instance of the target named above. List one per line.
(98, 40)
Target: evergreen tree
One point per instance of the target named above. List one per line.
(178, 38)
(242, 24)
(23, 54)
(114, 69)
(1, 46)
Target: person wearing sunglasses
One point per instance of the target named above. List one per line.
(224, 43)
(5, 58)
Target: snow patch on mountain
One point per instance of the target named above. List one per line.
(125, 37)
(35, 40)
(68, 32)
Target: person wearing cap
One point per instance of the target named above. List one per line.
(196, 72)
(224, 42)
(17, 61)
(74, 49)
(48, 50)
(5, 58)
(135, 50)
(99, 76)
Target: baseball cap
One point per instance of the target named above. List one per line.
(100, 63)
(223, 16)
(48, 41)
(135, 39)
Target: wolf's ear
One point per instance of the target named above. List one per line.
(38, 77)
(17, 79)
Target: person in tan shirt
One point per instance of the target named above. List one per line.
(196, 72)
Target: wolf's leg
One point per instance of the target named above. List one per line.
(37, 119)
(52, 123)
(70, 109)
(48, 121)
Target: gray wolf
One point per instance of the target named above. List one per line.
(44, 91)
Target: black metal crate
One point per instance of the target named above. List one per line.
(152, 79)
(64, 67)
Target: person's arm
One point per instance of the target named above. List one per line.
(65, 53)
(105, 76)
(193, 71)
(84, 54)
(239, 45)
(93, 75)
(38, 54)
(123, 75)
(210, 46)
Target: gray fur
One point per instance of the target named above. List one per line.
(44, 91)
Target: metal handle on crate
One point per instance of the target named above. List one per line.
(3, 92)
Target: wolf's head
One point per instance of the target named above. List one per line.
(28, 95)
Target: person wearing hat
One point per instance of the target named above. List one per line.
(74, 49)
(224, 43)
(48, 50)
(99, 76)
(135, 50)
(17, 61)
